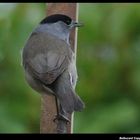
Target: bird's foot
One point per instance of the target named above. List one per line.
(62, 118)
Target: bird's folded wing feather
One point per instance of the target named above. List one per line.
(46, 56)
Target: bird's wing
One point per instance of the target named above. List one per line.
(46, 56)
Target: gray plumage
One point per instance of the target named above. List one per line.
(49, 64)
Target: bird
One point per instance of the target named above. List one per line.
(49, 63)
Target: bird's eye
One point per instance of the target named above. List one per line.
(68, 22)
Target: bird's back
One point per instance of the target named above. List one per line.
(45, 53)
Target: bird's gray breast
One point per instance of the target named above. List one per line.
(73, 72)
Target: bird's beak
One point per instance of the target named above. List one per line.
(76, 24)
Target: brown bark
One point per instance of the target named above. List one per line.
(48, 107)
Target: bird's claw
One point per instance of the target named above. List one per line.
(61, 117)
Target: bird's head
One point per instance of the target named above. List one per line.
(61, 19)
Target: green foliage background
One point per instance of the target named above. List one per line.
(108, 61)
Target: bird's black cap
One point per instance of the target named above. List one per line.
(55, 18)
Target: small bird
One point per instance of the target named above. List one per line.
(49, 63)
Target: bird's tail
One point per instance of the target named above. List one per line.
(69, 100)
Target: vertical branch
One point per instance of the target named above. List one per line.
(48, 107)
